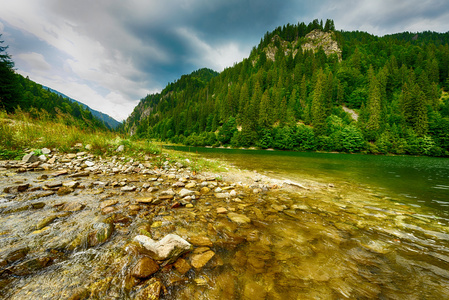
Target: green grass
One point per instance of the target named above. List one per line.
(20, 133)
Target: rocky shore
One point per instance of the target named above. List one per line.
(128, 197)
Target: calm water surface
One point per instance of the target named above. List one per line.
(418, 180)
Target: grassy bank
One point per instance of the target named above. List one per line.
(21, 133)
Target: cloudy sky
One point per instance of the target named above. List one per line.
(109, 54)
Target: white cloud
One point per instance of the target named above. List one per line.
(34, 61)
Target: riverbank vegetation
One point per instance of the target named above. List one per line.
(309, 87)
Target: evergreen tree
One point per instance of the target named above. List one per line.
(10, 90)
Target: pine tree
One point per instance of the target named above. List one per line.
(374, 109)
(10, 89)
(420, 120)
(318, 109)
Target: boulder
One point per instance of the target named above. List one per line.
(168, 248)
(120, 148)
(30, 158)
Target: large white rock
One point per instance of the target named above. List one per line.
(168, 248)
(185, 192)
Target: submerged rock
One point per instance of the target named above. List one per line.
(239, 218)
(201, 259)
(101, 232)
(151, 290)
(144, 268)
(168, 248)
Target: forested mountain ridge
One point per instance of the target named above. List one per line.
(290, 94)
(108, 120)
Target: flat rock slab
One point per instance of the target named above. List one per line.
(168, 248)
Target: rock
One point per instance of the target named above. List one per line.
(30, 266)
(120, 148)
(222, 195)
(79, 174)
(144, 268)
(101, 232)
(45, 151)
(200, 241)
(128, 189)
(23, 187)
(42, 158)
(16, 255)
(179, 184)
(134, 207)
(53, 184)
(164, 198)
(233, 193)
(200, 260)
(71, 184)
(239, 218)
(59, 173)
(190, 185)
(189, 205)
(185, 192)
(63, 190)
(145, 200)
(218, 190)
(205, 190)
(45, 222)
(88, 147)
(73, 206)
(30, 158)
(221, 210)
(182, 266)
(168, 248)
(89, 163)
(108, 203)
(151, 291)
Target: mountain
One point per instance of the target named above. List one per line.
(311, 87)
(111, 122)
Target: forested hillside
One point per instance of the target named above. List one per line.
(18, 92)
(309, 87)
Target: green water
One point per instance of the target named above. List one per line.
(417, 180)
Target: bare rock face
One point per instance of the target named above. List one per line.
(320, 39)
(168, 248)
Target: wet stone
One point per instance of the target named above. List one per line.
(182, 266)
(168, 248)
(200, 241)
(64, 191)
(73, 206)
(53, 184)
(144, 268)
(201, 259)
(151, 290)
(107, 203)
(238, 218)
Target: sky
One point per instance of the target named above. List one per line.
(109, 54)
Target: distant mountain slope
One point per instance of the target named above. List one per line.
(111, 122)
